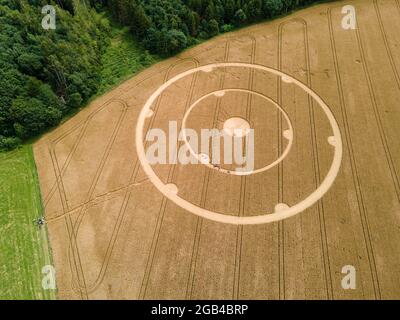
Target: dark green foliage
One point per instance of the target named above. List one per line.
(9, 143)
(272, 7)
(165, 42)
(213, 28)
(240, 17)
(31, 116)
(44, 74)
(158, 22)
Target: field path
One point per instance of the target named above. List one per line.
(115, 236)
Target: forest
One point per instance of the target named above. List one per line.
(47, 74)
(168, 26)
(44, 74)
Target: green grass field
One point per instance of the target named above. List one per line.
(24, 248)
(122, 59)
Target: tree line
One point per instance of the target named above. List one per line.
(167, 26)
(45, 74)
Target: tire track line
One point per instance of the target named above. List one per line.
(126, 200)
(281, 225)
(243, 179)
(74, 248)
(83, 128)
(160, 218)
(386, 41)
(98, 199)
(317, 176)
(199, 224)
(72, 263)
(59, 184)
(59, 174)
(353, 163)
(52, 146)
(89, 117)
(75, 263)
(83, 210)
(316, 165)
(127, 196)
(377, 114)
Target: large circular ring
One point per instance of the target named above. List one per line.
(281, 212)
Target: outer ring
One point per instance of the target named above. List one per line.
(231, 218)
(239, 173)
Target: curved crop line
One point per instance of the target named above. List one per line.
(321, 214)
(128, 194)
(281, 226)
(69, 224)
(161, 213)
(243, 180)
(378, 116)
(321, 211)
(74, 247)
(58, 174)
(121, 214)
(84, 122)
(192, 270)
(67, 219)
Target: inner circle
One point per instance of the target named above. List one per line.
(236, 127)
(284, 212)
(288, 134)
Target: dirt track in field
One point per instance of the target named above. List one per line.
(113, 234)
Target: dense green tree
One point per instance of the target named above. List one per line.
(272, 8)
(253, 9)
(213, 28)
(175, 41)
(194, 18)
(31, 116)
(230, 10)
(211, 12)
(240, 17)
(46, 73)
